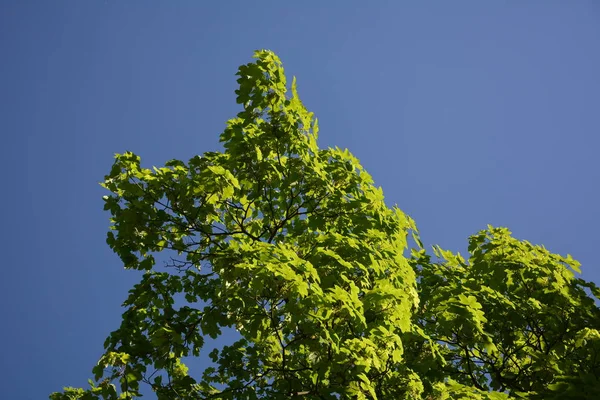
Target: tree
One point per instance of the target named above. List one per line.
(293, 247)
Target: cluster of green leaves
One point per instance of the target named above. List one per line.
(294, 248)
(513, 318)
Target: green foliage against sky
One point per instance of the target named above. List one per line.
(294, 248)
(512, 318)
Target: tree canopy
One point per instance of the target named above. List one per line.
(293, 248)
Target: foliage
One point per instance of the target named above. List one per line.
(513, 318)
(293, 247)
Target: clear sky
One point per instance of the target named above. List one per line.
(467, 113)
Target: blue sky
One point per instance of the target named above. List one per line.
(467, 113)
